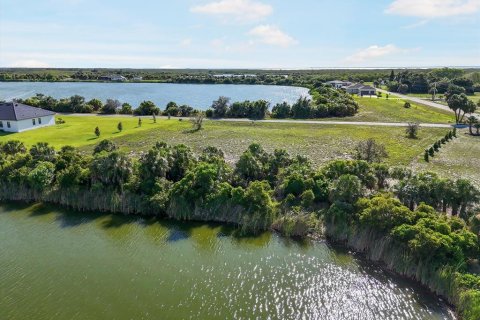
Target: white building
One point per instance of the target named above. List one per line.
(17, 117)
(339, 84)
(361, 89)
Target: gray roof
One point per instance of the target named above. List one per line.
(367, 87)
(17, 111)
(355, 86)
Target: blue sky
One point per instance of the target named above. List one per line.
(239, 33)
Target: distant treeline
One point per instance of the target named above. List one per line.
(306, 78)
(78, 104)
(400, 215)
(437, 81)
(325, 102)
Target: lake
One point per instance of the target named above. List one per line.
(58, 264)
(199, 96)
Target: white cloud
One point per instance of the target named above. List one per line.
(433, 8)
(272, 35)
(416, 24)
(375, 51)
(28, 63)
(240, 10)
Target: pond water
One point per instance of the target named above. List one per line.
(199, 96)
(58, 264)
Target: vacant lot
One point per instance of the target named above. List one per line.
(393, 110)
(319, 142)
(458, 158)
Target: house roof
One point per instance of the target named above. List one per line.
(17, 111)
(355, 86)
(367, 87)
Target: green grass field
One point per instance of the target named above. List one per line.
(320, 143)
(393, 110)
(475, 98)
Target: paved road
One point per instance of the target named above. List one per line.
(326, 122)
(418, 100)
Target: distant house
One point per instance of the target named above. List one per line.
(138, 78)
(339, 84)
(17, 117)
(113, 78)
(361, 89)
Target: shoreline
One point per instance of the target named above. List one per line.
(315, 236)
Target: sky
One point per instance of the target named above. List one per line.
(283, 34)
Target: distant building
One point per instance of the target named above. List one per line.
(113, 78)
(137, 78)
(17, 117)
(229, 75)
(361, 89)
(339, 84)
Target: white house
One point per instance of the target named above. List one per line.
(17, 117)
(339, 84)
(361, 89)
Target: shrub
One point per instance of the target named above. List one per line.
(412, 130)
(105, 146)
(370, 151)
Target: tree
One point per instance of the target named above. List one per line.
(301, 108)
(96, 104)
(370, 151)
(347, 188)
(392, 76)
(111, 106)
(126, 109)
(120, 126)
(171, 109)
(403, 88)
(105, 145)
(471, 121)
(147, 108)
(465, 195)
(97, 131)
(281, 110)
(197, 121)
(112, 169)
(139, 122)
(407, 105)
(220, 107)
(42, 152)
(154, 118)
(453, 89)
(460, 104)
(42, 175)
(412, 130)
(13, 147)
(426, 156)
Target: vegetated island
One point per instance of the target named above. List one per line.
(418, 225)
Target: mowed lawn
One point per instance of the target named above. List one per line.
(320, 143)
(393, 110)
(79, 130)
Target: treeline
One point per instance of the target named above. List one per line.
(270, 190)
(265, 190)
(326, 102)
(78, 104)
(204, 76)
(436, 81)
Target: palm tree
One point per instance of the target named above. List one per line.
(465, 195)
(472, 120)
